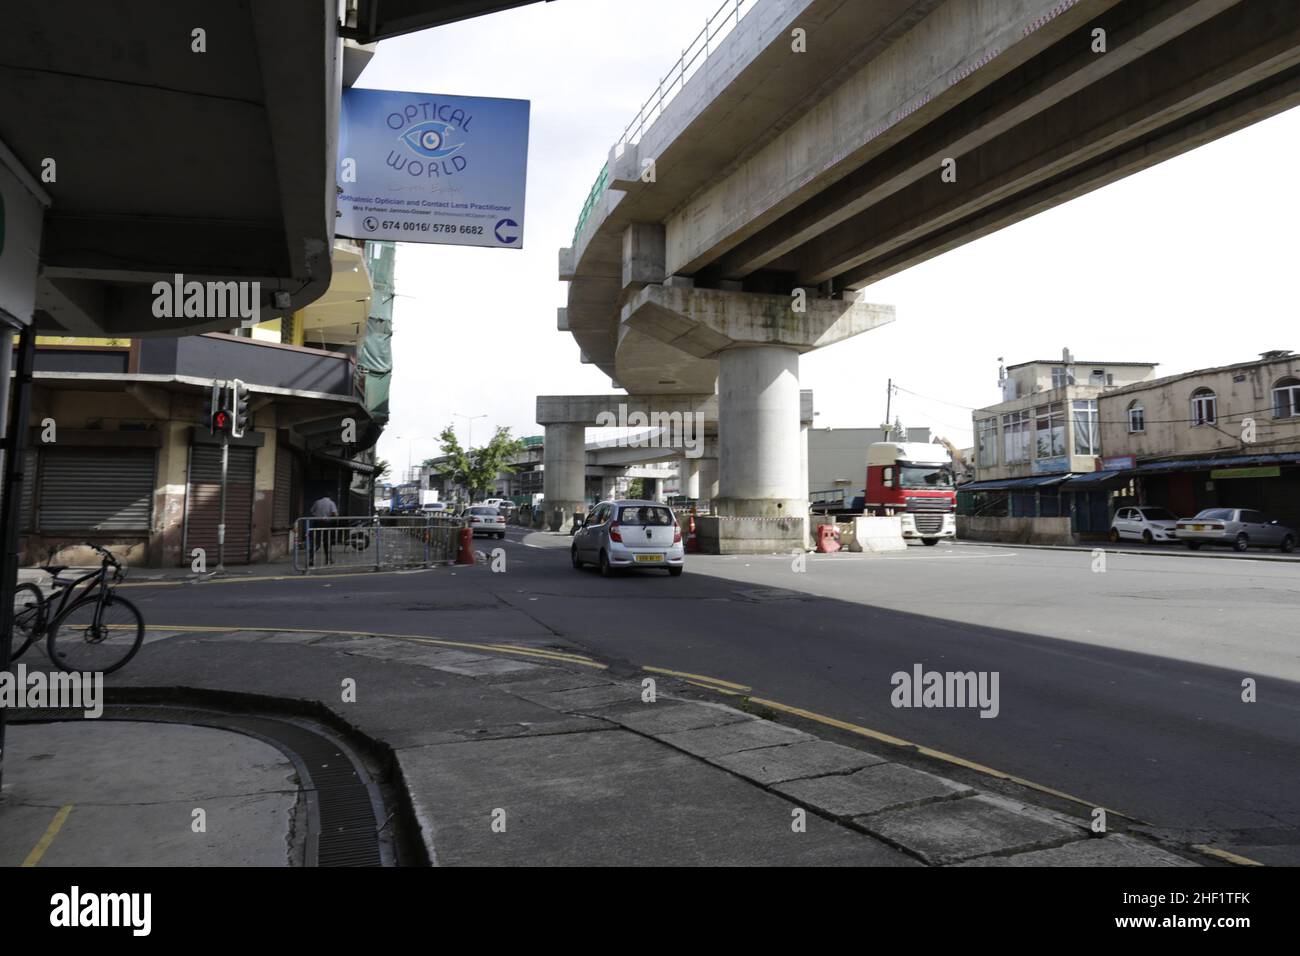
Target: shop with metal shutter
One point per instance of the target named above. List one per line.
(95, 490)
(286, 475)
(203, 502)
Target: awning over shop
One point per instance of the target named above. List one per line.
(1232, 461)
(1006, 484)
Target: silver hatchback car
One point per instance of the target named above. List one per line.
(629, 534)
(1241, 528)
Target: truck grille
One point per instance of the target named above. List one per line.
(940, 505)
(928, 523)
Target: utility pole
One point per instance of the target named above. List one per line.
(889, 395)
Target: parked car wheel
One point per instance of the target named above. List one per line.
(1147, 537)
(1288, 544)
(605, 570)
(577, 561)
(1194, 545)
(1241, 543)
(1114, 534)
(676, 572)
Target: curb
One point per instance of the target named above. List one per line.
(1106, 546)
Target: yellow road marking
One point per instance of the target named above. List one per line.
(719, 690)
(418, 638)
(242, 579)
(47, 838)
(712, 681)
(1226, 855)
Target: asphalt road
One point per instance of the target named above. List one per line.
(1119, 685)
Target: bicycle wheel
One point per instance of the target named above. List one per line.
(29, 618)
(83, 638)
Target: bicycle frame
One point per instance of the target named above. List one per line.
(66, 591)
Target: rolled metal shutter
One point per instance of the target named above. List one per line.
(27, 499)
(203, 502)
(282, 503)
(99, 489)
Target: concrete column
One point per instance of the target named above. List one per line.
(688, 477)
(564, 454)
(708, 479)
(759, 433)
(608, 486)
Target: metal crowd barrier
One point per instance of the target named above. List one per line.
(378, 543)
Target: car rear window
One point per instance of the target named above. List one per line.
(1157, 514)
(1216, 514)
(645, 515)
(482, 511)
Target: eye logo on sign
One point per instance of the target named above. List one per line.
(431, 139)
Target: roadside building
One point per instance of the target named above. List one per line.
(1218, 437)
(120, 454)
(1038, 452)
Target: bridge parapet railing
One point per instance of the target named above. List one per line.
(694, 55)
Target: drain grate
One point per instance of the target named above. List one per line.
(342, 808)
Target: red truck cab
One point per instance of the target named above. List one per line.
(914, 481)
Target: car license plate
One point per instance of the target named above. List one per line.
(1198, 527)
(650, 558)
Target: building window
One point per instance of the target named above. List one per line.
(986, 442)
(1204, 407)
(1061, 377)
(1087, 437)
(1286, 398)
(1050, 430)
(1016, 428)
(1137, 418)
(1099, 377)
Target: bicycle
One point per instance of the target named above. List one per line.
(98, 631)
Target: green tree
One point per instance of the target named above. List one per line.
(381, 470)
(636, 488)
(476, 469)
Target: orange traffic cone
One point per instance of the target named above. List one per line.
(692, 543)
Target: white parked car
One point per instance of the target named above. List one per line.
(485, 520)
(1145, 524)
(629, 534)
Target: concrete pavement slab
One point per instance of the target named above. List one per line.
(582, 698)
(610, 799)
(953, 830)
(881, 787)
(792, 761)
(558, 680)
(1114, 850)
(732, 738)
(667, 716)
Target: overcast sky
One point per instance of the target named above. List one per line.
(1189, 264)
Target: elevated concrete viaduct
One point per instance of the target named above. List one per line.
(822, 145)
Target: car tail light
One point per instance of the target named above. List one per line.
(677, 534)
(614, 534)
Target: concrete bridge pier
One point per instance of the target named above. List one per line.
(759, 433)
(761, 503)
(564, 478)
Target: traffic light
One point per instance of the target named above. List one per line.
(238, 408)
(214, 411)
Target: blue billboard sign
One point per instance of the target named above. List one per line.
(423, 167)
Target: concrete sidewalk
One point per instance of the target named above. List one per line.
(529, 755)
(127, 793)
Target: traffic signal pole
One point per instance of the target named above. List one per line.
(221, 521)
